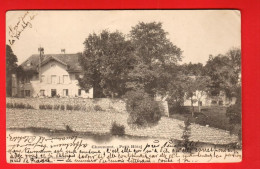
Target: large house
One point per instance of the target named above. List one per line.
(55, 76)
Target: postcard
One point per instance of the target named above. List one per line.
(123, 86)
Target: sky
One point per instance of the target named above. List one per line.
(199, 33)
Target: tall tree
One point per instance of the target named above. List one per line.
(11, 65)
(106, 62)
(225, 72)
(154, 51)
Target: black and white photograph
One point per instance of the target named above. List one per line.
(123, 86)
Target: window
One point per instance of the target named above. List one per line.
(213, 102)
(27, 93)
(65, 92)
(27, 79)
(53, 79)
(42, 78)
(53, 92)
(65, 79)
(42, 92)
(79, 92)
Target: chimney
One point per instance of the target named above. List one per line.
(63, 51)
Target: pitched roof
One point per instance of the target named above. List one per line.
(70, 60)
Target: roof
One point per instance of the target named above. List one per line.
(70, 60)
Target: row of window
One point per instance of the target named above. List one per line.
(56, 79)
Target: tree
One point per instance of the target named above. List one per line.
(11, 65)
(106, 62)
(154, 51)
(224, 71)
(196, 88)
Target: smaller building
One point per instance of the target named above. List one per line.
(201, 98)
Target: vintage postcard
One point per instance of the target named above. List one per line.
(123, 86)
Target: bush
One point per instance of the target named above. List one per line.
(234, 114)
(19, 105)
(69, 107)
(77, 107)
(9, 105)
(62, 107)
(117, 129)
(98, 108)
(45, 107)
(42, 107)
(28, 106)
(56, 107)
(48, 106)
(143, 110)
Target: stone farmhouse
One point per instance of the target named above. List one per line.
(55, 76)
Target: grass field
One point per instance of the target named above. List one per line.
(211, 116)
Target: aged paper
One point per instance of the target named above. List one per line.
(123, 86)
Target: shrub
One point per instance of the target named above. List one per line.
(45, 107)
(56, 107)
(62, 107)
(98, 108)
(9, 105)
(48, 106)
(42, 107)
(234, 114)
(28, 106)
(77, 107)
(143, 110)
(117, 129)
(69, 107)
(19, 105)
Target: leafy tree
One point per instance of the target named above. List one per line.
(11, 65)
(154, 51)
(106, 62)
(224, 71)
(192, 69)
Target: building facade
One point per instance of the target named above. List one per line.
(56, 75)
(201, 98)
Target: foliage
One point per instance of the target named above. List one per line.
(234, 111)
(224, 71)
(69, 107)
(143, 110)
(106, 61)
(117, 129)
(11, 66)
(154, 53)
(56, 107)
(62, 107)
(152, 45)
(45, 106)
(186, 134)
(98, 108)
(19, 106)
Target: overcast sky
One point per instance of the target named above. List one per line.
(198, 33)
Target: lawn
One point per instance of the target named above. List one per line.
(211, 116)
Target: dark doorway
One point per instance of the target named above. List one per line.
(53, 92)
